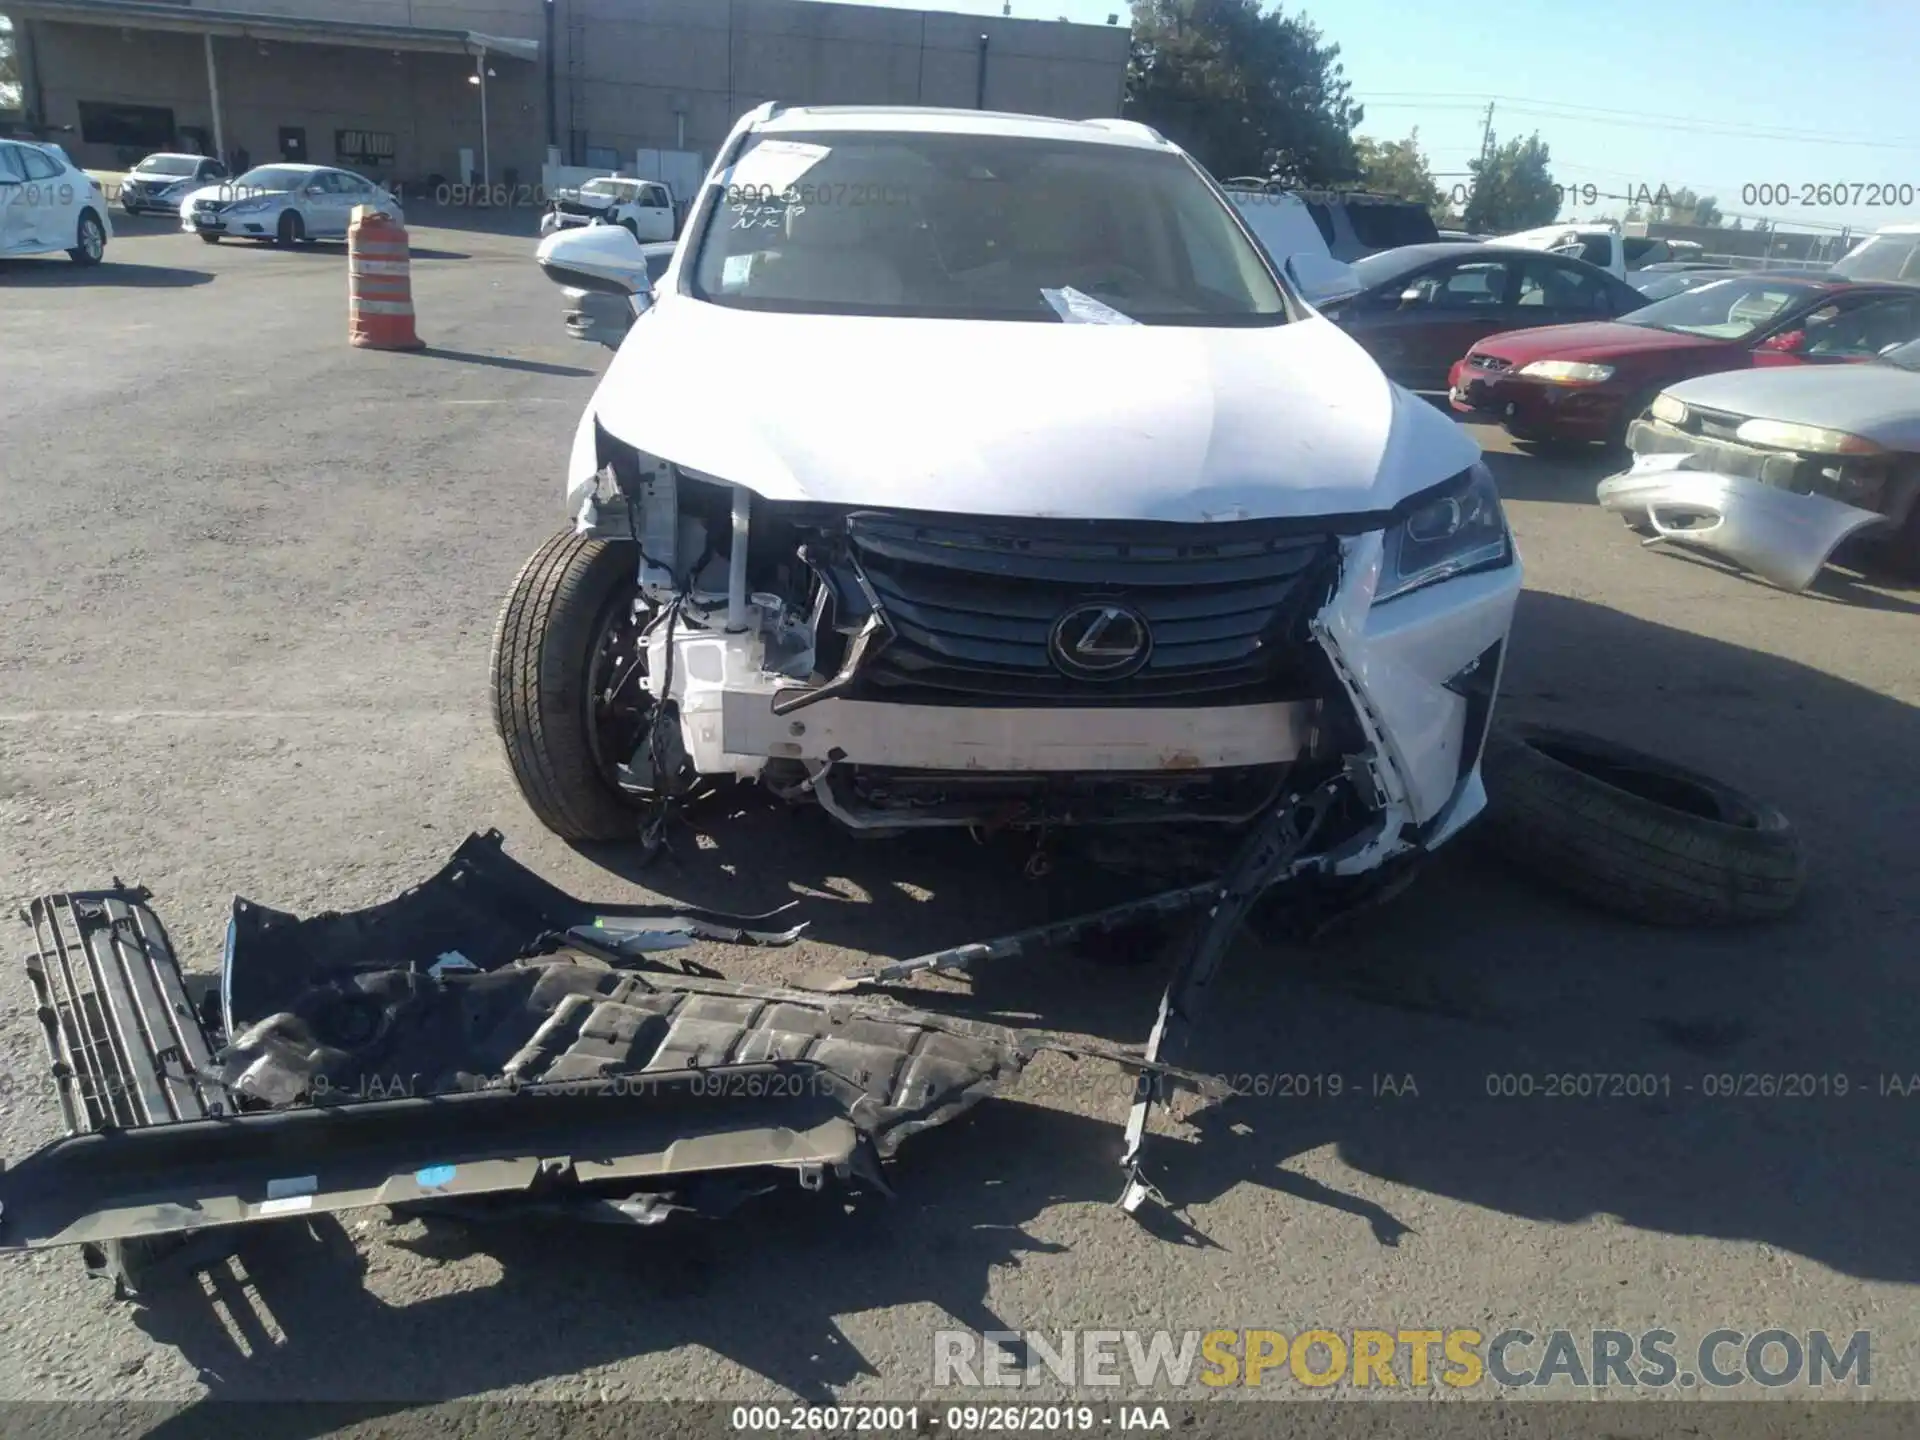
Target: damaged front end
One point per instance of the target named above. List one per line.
(909, 670)
(483, 1039)
(1777, 510)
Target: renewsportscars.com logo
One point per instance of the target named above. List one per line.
(1457, 1358)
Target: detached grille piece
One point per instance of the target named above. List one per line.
(971, 607)
(1493, 364)
(126, 1047)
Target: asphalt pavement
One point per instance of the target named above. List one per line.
(247, 581)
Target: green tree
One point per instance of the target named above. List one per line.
(1249, 91)
(9, 68)
(1512, 188)
(1397, 167)
(1683, 207)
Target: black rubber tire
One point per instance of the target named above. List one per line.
(208, 238)
(1634, 834)
(1638, 523)
(291, 230)
(632, 227)
(82, 253)
(542, 653)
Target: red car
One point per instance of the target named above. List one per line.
(1588, 381)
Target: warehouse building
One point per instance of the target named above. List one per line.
(426, 90)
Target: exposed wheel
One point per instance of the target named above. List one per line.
(90, 241)
(207, 237)
(632, 227)
(291, 229)
(568, 702)
(1635, 834)
(1638, 522)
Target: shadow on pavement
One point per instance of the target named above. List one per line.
(1462, 996)
(1852, 581)
(58, 272)
(505, 362)
(1566, 478)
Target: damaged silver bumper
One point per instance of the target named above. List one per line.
(1782, 535)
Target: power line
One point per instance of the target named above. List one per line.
(1601, 115)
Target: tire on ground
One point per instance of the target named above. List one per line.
(1634, 834)
(542, 655)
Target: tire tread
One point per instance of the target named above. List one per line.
(535, 677)
(1631, 855)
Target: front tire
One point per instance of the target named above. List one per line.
(207, 237)
(549, 677)
(291, 230)
(90, 243)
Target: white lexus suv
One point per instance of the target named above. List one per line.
(968, 469)
(49, 204)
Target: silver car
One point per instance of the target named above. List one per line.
(283, 203)
(1774, 468)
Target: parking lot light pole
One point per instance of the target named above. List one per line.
(479, 77)
(213, 89)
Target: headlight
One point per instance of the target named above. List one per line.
(1779, 435)
(1567, 372)
(1461, 531)
(1668, 410)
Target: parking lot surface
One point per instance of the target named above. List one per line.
(247, 582)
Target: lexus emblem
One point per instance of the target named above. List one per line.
(1100, 641)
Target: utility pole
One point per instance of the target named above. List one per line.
(1486, 134)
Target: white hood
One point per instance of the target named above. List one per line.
(1135, 422)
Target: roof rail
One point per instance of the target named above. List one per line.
(1128, 127)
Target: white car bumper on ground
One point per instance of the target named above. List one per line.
(1781, 535)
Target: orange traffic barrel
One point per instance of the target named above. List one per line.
(379, 283)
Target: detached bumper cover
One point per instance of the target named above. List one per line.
(482, 1036)
(1779, 534)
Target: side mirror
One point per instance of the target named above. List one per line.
(1788, 342)
(1321, 279)
(602, 258)
(1412, 295)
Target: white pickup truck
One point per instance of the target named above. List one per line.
(1603, 245)
(643, 207)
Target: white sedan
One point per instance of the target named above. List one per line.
(283, 203)
(47, 203)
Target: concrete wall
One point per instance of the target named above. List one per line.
(423, 100)
(634, 63)
(628, 74)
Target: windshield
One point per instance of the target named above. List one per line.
(1659, 284)
(1881, 257)
(605, 187)
(272, 177)
(167, 165)
(979, 227)
(1723, 309)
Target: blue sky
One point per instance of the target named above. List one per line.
(1715, 95)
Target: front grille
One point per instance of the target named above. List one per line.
(575, 207)
(1714, 424)
(1493, 364)
(970, 608)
